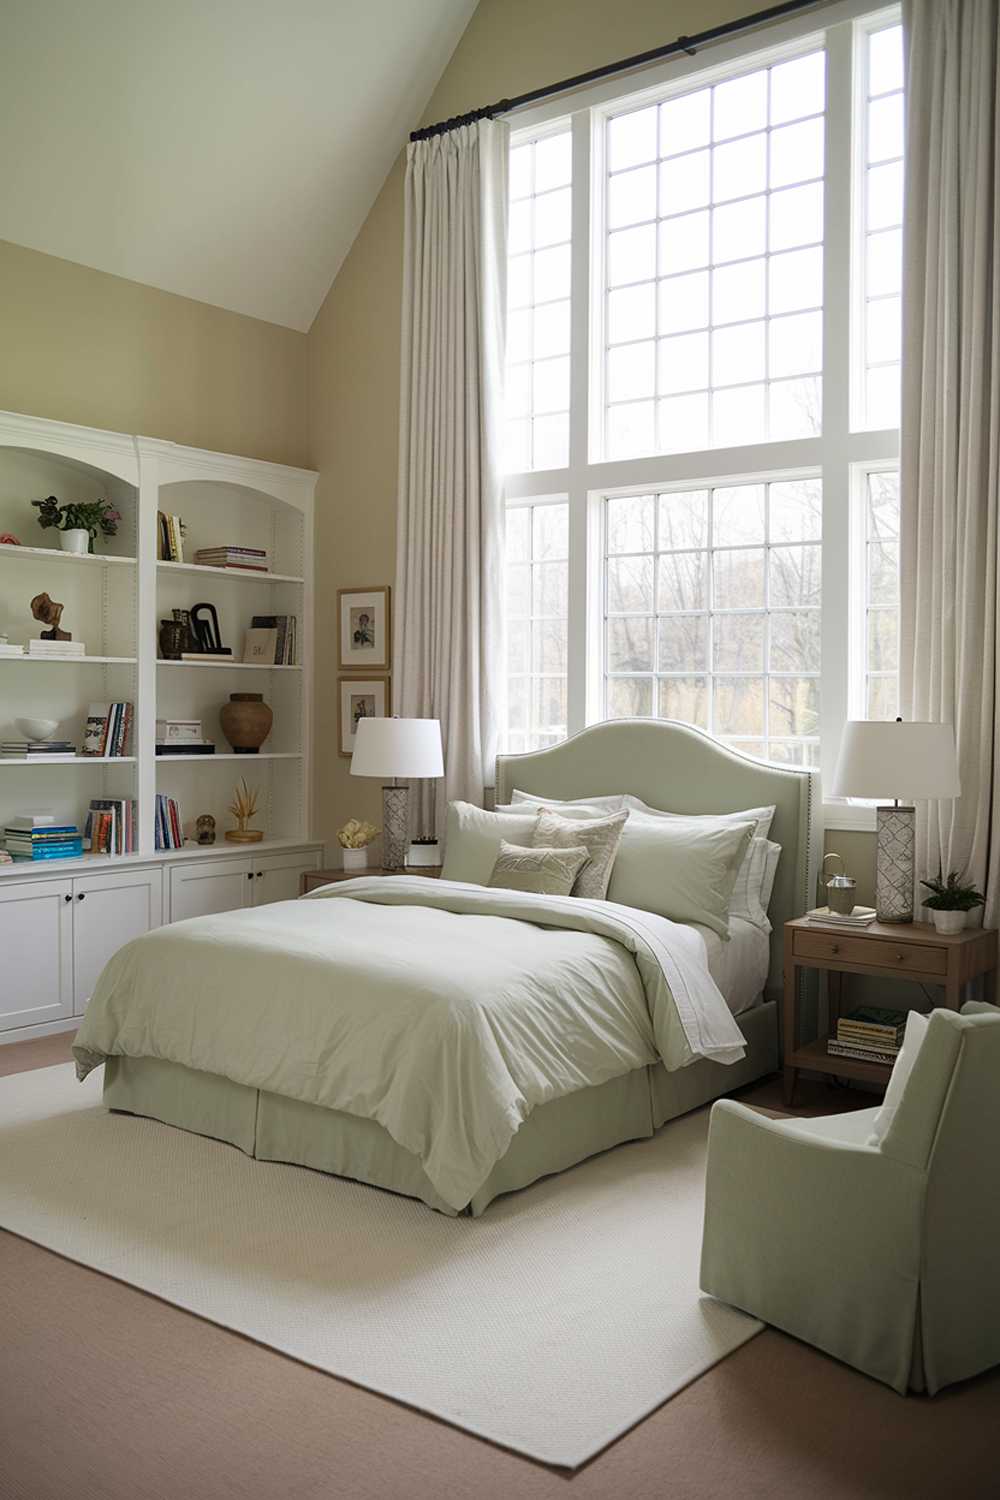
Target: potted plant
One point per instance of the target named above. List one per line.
(354, 839)
(950, 900)
(78, 522)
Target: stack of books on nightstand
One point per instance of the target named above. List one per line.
(861, 916)
(870, 1034)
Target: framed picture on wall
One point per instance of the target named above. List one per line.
(360, 698)
(364, 629)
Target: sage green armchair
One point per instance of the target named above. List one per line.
(888, 1255)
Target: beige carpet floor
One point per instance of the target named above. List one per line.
(107, 1393)
(551, 1325)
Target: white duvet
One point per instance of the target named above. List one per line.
(446, 1012)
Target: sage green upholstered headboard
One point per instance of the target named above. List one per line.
(681, 769)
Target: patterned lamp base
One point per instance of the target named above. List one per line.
(895, 840)
(395, 826)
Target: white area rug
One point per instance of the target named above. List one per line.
(551, 1325)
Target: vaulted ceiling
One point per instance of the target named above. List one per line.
(228, 150)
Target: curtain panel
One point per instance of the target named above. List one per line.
(950, 430)
(448, 630)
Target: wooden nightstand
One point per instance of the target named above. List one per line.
(910, 950)
(313, 878)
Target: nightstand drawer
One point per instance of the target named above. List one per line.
(872, 952)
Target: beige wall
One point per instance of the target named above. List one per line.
(78, 345)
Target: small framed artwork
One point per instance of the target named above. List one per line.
(360, 698)
(363, 629)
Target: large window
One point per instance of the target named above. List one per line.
(703, 364)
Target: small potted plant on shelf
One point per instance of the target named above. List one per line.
(949, 901)
(354, 839)
(78, 522)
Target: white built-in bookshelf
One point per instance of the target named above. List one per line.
(114, 601)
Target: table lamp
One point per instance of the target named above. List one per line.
(397, 747)
(883, 759)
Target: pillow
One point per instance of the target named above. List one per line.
(770, 870)
(547, 872)
(746, 900)
(979, 1008)
(576, 807)
(916, 1030)
(472, 839)
(681, 868)
(599, 836)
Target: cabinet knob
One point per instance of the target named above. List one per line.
(900, 958)
(67, 898)
(260, 874)
(249, 874)
(81, 895)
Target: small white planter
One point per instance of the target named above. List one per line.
(948, 922)
(77, 539)
(355, 859)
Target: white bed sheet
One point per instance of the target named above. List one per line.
(739, 967)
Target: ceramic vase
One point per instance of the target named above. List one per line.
(76, 539)
(355, 859)
(948, 922)
(246, 722)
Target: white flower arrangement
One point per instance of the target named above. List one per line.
(357, 835)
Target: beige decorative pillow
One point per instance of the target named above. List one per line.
(599, 836)
(547, 872)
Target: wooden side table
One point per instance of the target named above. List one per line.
(314, 878)
(905, 950)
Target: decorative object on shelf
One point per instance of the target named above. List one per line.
(37, 729)
(49, 613)
(208, 637)
(287, 629)
(244, 559)
(170, 531)
(110, 826)
(183, 618)
(260, 647)
(107, 729)
(78, 522)
(172, 636)
(360, 698)
(246, 722)
(204, 829)
(840, 889)
(397, 747)
(363, 629)
(354, 839)
(170, 731)
(880, 759)
(950, 901)
(243, 807)
(8, 539)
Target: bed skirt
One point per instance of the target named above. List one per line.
(555, 1136)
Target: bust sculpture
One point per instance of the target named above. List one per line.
(49, 613)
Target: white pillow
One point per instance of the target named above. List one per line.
(576, 807)
(546, 872)
(979, 1008)
(681, 868)
(916, 1030)
(770, 870)
(599, 836)
(746, 900)
(472, 839)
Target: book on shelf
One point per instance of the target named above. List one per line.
(37, 750)
(872, 1025)
(169, 537)
(225, 655)
(285, 642)
(47, 841)
(6, 649)
(260, 646)
(34, 817)
(861, 916)
(39, 647)
(110, 826)
(251, 559)
(861, 1054)
(107, 729)
(169, 833)
(185, 747)
(5, 858)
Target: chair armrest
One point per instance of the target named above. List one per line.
(819, 1237)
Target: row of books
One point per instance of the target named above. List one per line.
(169, 537)
(37, 750)
(37, 836)
(107, 730)
(110, 826)
(250, 559)
(870, 1033)
(272, 639)
(169, 832)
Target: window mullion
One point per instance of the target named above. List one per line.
(583, 608)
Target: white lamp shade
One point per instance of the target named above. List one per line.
(898, 761)
(397, 747)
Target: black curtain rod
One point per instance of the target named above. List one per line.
(687, 44)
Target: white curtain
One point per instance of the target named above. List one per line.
(448, 628)
(951, 418)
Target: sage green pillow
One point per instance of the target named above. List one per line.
(599, 836)
(681, 868)
(473, 835)
(547, 872)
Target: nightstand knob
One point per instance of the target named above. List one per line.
(900, 958)
(835, 948)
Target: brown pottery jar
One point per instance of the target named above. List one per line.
(246, 722)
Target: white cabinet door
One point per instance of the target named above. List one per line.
(36, 952)
(278, 877)
(109, 910)
(210, 885)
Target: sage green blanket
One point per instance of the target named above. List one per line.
(446, 1012)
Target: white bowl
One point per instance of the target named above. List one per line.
(38, 729)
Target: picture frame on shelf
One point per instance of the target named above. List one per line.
(357, 698)
(364, 629)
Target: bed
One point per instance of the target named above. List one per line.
(667, 765)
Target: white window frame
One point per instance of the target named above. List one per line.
(836, 455)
